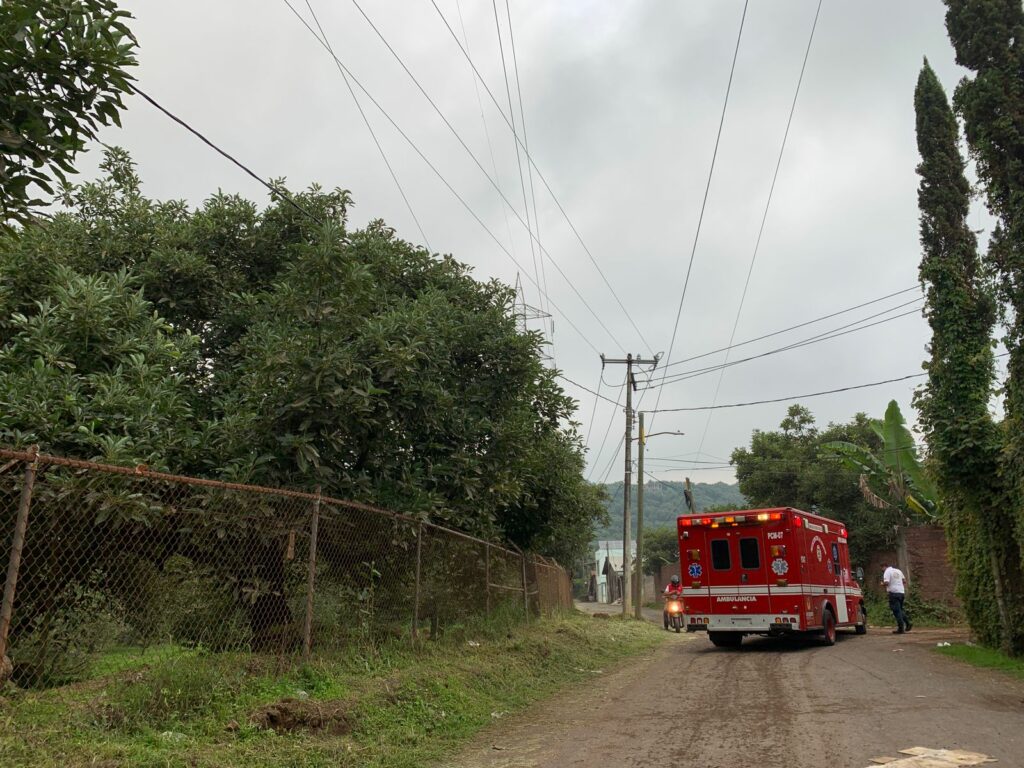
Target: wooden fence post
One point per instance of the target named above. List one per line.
(14, 564)
(314, 529)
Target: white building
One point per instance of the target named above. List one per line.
(608, 559)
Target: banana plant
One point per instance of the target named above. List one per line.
(892, 476)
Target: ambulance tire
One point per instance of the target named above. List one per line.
(829, 631)
(725, 639)
(862, 621)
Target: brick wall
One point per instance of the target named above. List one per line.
(921, 554)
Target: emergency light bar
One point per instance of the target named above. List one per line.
(715, 522)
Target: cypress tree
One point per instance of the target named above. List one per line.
(988, 36)
(964, 440)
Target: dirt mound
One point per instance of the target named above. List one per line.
(286, 715)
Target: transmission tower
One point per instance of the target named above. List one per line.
(527, 316)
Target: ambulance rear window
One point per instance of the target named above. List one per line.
(720, 559)
(750, 554)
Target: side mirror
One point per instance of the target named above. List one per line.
(859, 574)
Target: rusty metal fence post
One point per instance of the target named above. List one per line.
(13, 565)
(416, 599)
(487, 580)
(526, 593)
(307, 630)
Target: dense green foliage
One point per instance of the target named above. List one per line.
(663, 503)
(793, 467)
(964, 439)
(260, 347)
(62, 74)
(661, 546)
(974, 457)
(894, 475)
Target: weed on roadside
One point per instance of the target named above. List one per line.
(385, 705)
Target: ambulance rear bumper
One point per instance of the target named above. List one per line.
(755, 623)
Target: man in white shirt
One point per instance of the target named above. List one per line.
(895, 584)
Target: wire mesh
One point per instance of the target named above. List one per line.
(119, 561)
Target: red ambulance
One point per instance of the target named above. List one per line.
(767, 572)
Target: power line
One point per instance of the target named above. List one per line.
(704, 203)
(826, 336)
(543, 179)
(436, 172)
(526, 145)
(611, 463)
(604, 440)
(515, 143)
(764, 218)
(791, 397)
(487, 135)
(800, 397)
(483, 170)
(819, 456)
(794, 327)
(823, 336)
(588, 389)
(369, 127)
(274, 191)
(593, 413)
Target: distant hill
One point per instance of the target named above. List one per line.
(663, 502)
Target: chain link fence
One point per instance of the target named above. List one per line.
(104, 561)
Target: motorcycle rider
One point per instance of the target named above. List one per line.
(673, 589)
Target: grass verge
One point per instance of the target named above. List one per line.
(984, 657)
(389, 705)
(923, 613)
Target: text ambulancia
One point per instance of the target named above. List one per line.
(767, 572)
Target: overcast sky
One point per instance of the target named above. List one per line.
(622, 102)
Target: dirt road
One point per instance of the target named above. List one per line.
(769, 704)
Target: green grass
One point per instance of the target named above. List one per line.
(984, 657)
(402, 707)
(125, 659)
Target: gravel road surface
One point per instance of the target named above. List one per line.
(770, 704)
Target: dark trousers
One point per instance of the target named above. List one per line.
(896, 606)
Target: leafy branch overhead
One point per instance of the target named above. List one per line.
(62, 74)
(892, 475)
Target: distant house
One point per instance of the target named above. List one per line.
(608, 563)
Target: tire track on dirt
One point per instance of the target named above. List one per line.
(768, 704)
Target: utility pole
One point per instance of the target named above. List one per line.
(638, 608)
(627, 486)
(641, 443)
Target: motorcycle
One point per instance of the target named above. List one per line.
(673, 612)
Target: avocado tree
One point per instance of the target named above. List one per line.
(63, 71)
